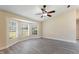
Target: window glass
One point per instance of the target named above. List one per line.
(13, 29)
(34, 29)
(24, 29)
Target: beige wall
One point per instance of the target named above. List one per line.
(4, 17)
(62, 27)
(2, 30)
(77, 14)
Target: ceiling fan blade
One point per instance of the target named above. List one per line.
(42, 16)
(42, 9)
(49, 15)
(44, 6)
(52, 11)
(68, 6)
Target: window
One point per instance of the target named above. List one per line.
(13, 29)
(24, 29)
(21, 28)
(34, 29)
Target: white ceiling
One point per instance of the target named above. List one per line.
(30, 11)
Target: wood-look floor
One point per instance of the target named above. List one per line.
(42, 46)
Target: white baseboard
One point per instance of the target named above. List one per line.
(61, 40)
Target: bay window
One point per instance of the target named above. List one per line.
(21, 28)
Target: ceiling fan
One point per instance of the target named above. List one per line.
(45, 12)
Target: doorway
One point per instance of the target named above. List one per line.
(77, 30)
